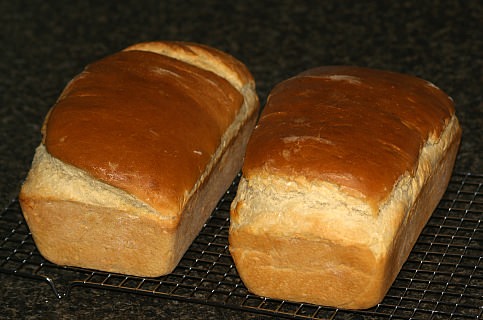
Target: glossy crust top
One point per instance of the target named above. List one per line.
(148, 119)
(358, 128)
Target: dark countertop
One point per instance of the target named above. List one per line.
(45, 44)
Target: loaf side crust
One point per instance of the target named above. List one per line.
(80, 221)
(325, 248)
(112, 231)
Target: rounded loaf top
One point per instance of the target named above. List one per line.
(358, 128)
(148, 119)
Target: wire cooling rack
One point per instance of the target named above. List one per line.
(442, 278)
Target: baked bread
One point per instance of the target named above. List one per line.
(135, 154)
(341, 173)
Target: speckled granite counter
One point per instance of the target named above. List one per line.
(45, 44)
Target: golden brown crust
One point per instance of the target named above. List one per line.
(343, 124)
(136, 152)
(202, 56)
(114, 235)
(327, 270)
(303, 235)
(134, 96)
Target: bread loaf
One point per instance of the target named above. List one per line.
(135, 154)
(341, 174)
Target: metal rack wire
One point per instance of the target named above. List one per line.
(442, 278)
